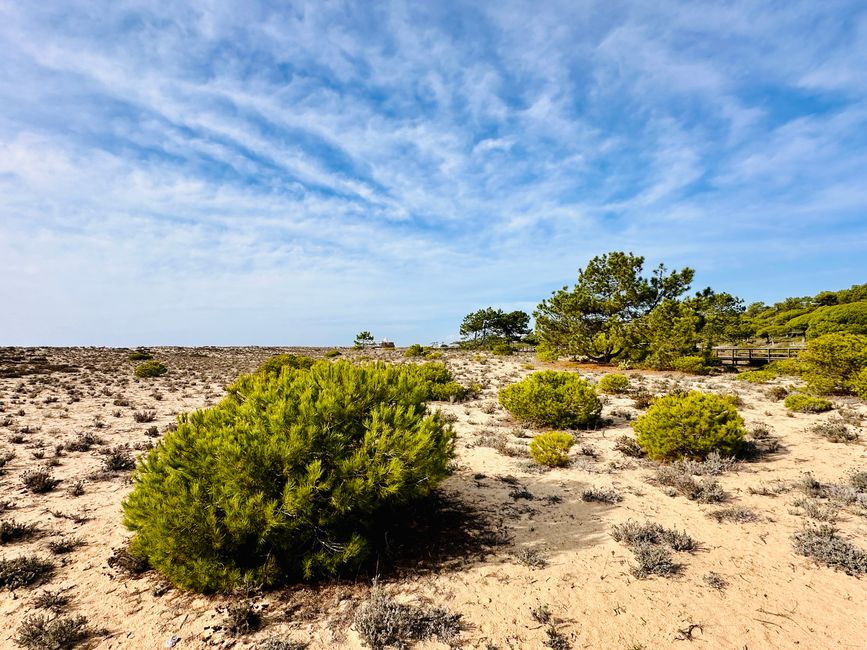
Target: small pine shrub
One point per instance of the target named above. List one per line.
(693, 365)
(801, 403)
(140, 355)
(439, 384)
(787, 367)
(613, 384)
(503, 349)
(690, 425)
(150, 369)
(414, 350)
(278, 362)
(757, 376)
(287, 477)
(552, 399)
(330, 354)
(552, 448)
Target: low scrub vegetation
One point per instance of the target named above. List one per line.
(383, 623)
(801, 403)
(824, 544)
(24, 571)
(690, 426)
(287, 477)
(50, 632)
(552, 399)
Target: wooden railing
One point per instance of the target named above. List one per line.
(755, 355)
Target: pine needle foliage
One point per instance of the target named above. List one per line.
(613, 383)
(690, 425)
(287, 477)
(151, 368)
(275, 364)
(552, 448)
(553, 399)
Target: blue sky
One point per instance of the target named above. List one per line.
(290, 173)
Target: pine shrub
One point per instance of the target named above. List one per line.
(439, 384)
(330, 354)
(690, 425)
(287, 477)
(757, 376)
(833, 361)
(613, 383)
(551, 448)
(414, 350)
(275, 364)
(150, 369)
(552, 399)
(140, 355)
(858, 383)
(503, 349)
(692, 365)
(806, 403)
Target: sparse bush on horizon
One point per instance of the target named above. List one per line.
(151, 368)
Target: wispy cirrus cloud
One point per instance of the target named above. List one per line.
(212, 173)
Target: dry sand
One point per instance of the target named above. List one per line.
(774, 598)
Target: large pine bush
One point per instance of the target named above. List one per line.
(286, 477)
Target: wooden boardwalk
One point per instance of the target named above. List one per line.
(755, 356)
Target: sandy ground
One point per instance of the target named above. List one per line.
(773, 598)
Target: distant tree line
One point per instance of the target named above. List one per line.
(616, 312)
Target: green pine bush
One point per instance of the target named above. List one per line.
(440, 386)
(757, 376)
(692, 365)
(150, 369)
(503, 349)
(788, 367)
(287, 477)
(613, 383)
(275, 364)
(807, 403)
(552, 399)
(690, 425)
(858, 384)
(140, 355)
(330, 354)
(833, 361)
(414, 350)
(551, 448)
